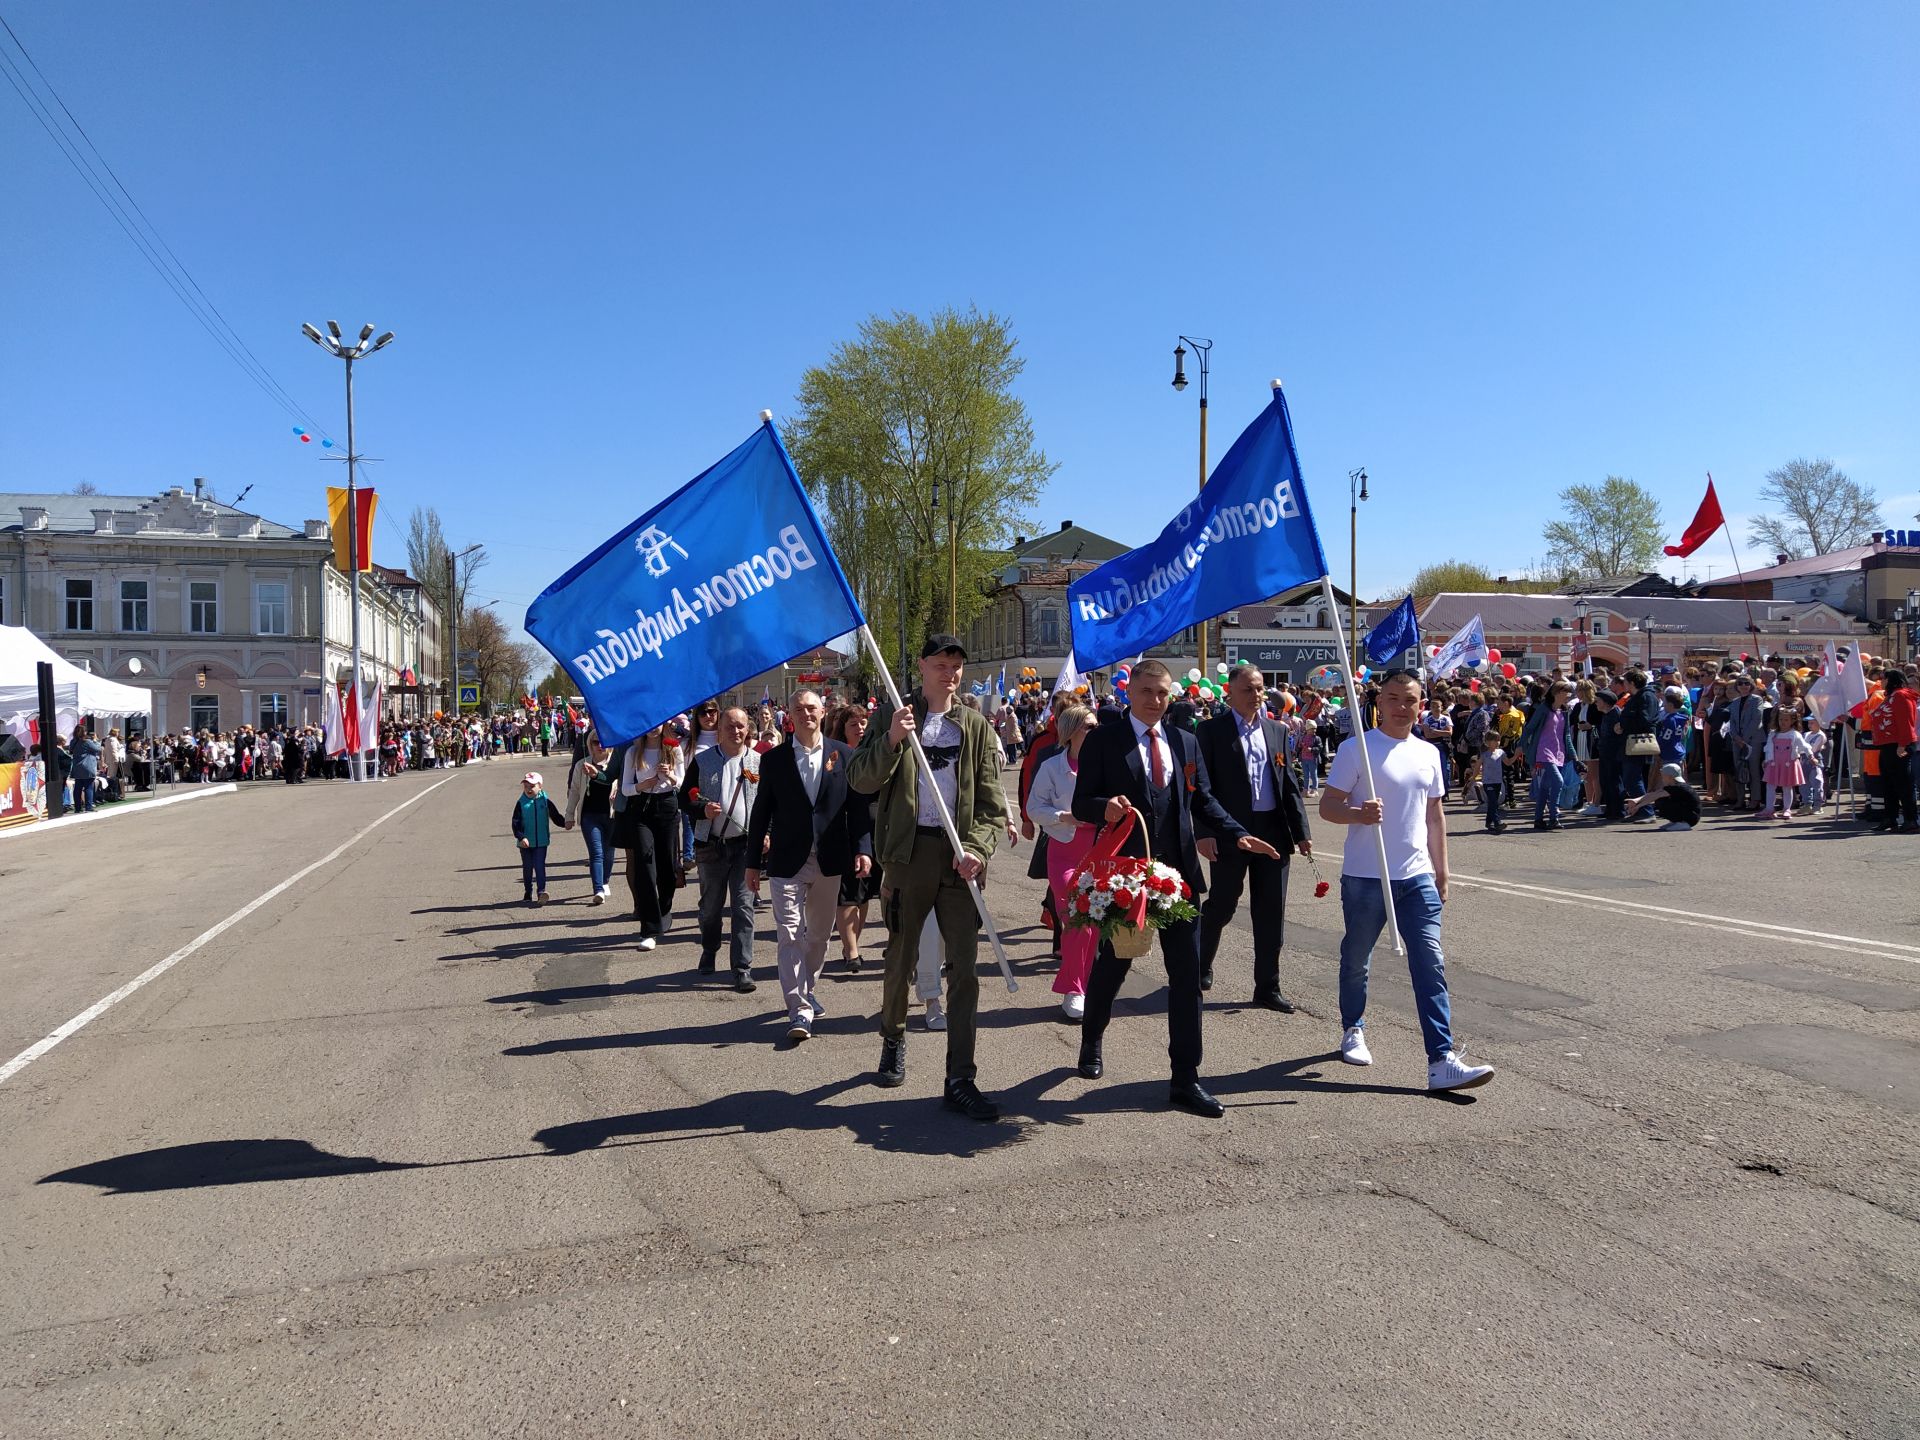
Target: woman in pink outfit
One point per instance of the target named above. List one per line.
(1050, 806)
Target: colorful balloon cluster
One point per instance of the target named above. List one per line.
(306, 437)
(1028, 682)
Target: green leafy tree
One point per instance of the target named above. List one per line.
(1458, 576)
(1608, 529)
(922, 462)
(1823, 510)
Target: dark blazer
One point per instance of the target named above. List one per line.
(837, 826)
(1226, 765)
(1110, 765)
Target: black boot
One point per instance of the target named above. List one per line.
(893, 1063)
(1092, 1064)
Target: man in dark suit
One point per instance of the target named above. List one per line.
(1153, 769)
(813, 831)
(1244, 753)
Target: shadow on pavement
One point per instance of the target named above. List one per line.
(907, 1125)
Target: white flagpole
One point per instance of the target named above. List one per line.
(1366, 764)
(940, 804)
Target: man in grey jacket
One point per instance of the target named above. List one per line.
(718, 796)
(1746, 734)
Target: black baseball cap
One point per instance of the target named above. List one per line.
(941, 644)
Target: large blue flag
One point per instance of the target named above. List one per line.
(726, 578)
(1248, 535)
(1393, 635)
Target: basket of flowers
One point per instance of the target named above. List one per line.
(1125, 897)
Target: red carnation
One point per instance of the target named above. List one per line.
(1081, 903)
(1321, 889)
(1186, 891)
(1123, 898)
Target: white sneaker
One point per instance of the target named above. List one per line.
(1677, 825)
(604, 891)
(936, 1018)
(647, 942)
(1074, 1006)
(1450, 1072)
(597, 898)
(1353, 1047)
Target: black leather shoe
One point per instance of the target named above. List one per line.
(1273, 1000)
(965, 1096)
(893, 1063)
(1187, 1095)
(1206, 978)
(743, 982)
(1091, 1064)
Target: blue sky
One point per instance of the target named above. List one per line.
(1493, 249)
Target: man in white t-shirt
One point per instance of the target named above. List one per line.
(1409, 787)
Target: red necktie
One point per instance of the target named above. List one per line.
(1159, 767)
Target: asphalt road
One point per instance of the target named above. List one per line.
(390, 1155)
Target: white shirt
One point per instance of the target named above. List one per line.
(1406, 775)
(1253, 742)
(808, 763)
(940, 732)
(1147, 748)
(1050, 801)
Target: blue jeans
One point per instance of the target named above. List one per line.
(1547, 781)
(597, 831)
(1417, 906)
(82, 794)
(533, 868)
(1494, 820)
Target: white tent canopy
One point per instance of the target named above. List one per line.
(76, 692)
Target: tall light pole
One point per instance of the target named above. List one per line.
(1203, 355)
(350, 351)
(1356, 492)
(453, 630)
(1646, 624)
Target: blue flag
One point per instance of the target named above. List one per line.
(726, 578)
(1393, 635)
(1250, 534)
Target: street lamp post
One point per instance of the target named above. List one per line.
(1646, 624)
(1356, 492)
(1203, 356)
(350, 351)
(453, 629)
(1582, 654)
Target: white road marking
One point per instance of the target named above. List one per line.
(100, 1007)
(1858, 945)
(102, 812)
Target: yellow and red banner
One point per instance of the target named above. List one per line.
(363, 522)
(19, 793)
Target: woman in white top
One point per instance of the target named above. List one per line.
(1050, 806)
(646, 826)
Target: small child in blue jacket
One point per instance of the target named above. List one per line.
(533, 813)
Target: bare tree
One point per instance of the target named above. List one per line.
(86, 487)
(427, 551)
(1823, 510)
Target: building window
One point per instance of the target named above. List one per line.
(271, 607)
(1049, 629)
(273, 711)
(3, 599)
(133, 607)
(79, 604)
(203, 713)
(1599, 627)
(203, 607)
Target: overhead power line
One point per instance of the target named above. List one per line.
(101, 178)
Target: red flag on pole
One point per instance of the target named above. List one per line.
(1705, 521)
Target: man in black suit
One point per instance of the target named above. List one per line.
(1153, 769)
(1244, 753)
(813, 830)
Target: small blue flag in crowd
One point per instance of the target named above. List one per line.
(1250, 534)
(1468, 644)
(726, 578)
(1393, 634)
